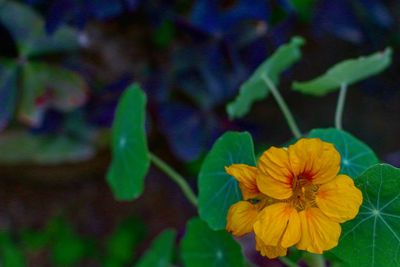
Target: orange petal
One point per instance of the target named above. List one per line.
(318, 232)
(275, 176)
(314, 159)
(246, 176)
(270, 252)
(241, 217)
(273, 221)
(339, 199)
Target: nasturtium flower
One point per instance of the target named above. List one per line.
(295, 196)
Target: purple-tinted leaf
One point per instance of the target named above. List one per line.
(377, 12)
(186, 129)
(338, 18)
(8, 92)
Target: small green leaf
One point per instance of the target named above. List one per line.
(372, 239)
(11, 255)
(356, 156)
(254, 88)
(202, 246)
(27, 29)
(47, 86)
(346, 72)
(218, 190)
(130, 155)
(122, 243)
(160, 252)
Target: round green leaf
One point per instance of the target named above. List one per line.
(202, 246)
(356, 156)
(130, 155)
(372, 239)
(218, 190)
(160, 253)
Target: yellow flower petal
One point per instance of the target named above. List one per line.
(273, 221)
(241, 217)
(315, 160)
(292, 233)
(269, 251)
(318, 232)
(274, 188)
(246, 176)
(339, 199)
(275, 176)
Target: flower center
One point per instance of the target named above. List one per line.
(303, 193)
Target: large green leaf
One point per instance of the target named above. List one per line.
(346, 72)
(27, 29)
(130, 155)
(255, 88)
(160, 253)
(372, 239)
(202, 246)
(47, 86)
(218, 190)
(356, 156)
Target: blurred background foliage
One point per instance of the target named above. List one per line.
(64, 64)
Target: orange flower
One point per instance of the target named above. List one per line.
(293, 197)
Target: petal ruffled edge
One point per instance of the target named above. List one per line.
(339, 199)
(241, 218)
(246, 176)
(270, 252)
(274, 220)
(318, 232)
(314, 159)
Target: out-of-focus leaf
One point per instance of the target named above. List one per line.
(10, 254)
(372, 239)
(66, 246)
(338, 18)
(8, 92)
(255, 88)
(21, 147)
(356, 156)
(27, 28)
(123, 241)
(346, 72)
(217, 189)
(202, 246)
(130, 155)
(160, 252)
(47, 86)
(186, 129)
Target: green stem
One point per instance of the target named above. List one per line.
(284, 108)
(315, 260)
(340, 106)
(176, 177)
(288, 262)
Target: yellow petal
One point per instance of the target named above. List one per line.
(269, 251)
(275, 176)
(293, 231)
(241, 217)
(272, 222)
(274, 188)
(318, 232)
(246, 176)
(315, 160)
(339, 199)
